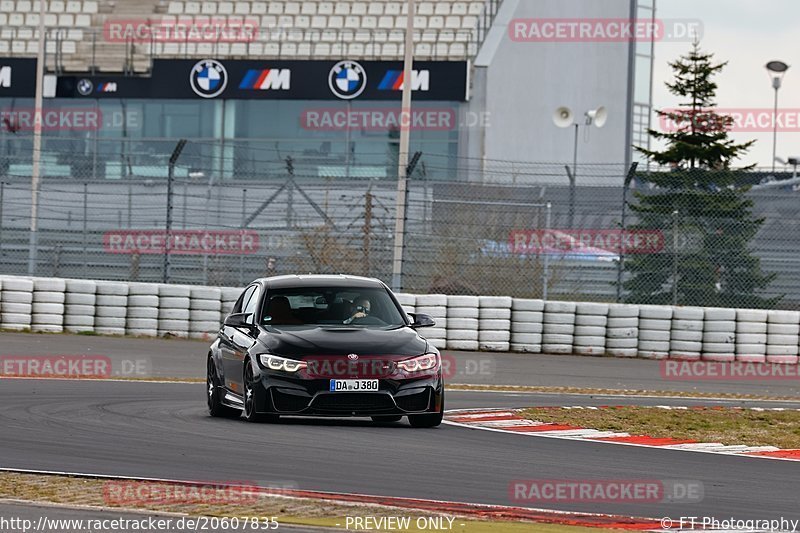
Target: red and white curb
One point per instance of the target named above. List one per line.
(510, 421)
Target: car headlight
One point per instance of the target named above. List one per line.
(427, 361)
(273, 362)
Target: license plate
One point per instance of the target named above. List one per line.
(354, 385)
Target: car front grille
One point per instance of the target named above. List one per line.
(352, 401)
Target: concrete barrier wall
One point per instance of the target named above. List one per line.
(488, 323)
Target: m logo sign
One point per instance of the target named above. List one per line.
(268, 79)
(393, 80)
(5, 77)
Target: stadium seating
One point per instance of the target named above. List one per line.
(322, 29)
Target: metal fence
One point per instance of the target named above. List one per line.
(472, 227)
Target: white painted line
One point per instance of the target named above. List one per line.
(488, 415)
(596, 434)
(729, 448)
(579, 435)
(609, 434)
(576, 433)
(507, 423)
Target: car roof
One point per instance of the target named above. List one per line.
(316, 280)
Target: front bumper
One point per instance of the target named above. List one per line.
(291, 396)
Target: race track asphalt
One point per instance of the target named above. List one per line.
(177, 358)
(162, 430)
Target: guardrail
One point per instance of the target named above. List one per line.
(487, 323)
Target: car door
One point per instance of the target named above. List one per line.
(227, 346)
(240, 340)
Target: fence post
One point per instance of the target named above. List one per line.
(571, 177)
(289, 207)
(620, 262)
(2, 198)
(170, 178)
(546, 261)
(130, 203)
(675, 257)
(367, 230)
(243, 225)
(401, 216)
(85, 214)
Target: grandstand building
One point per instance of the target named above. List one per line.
(250, 83)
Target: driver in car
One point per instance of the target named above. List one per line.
(361, 309)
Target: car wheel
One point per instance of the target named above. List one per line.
(250, 413)
(386, 418)
(425, 421)
(215, 406)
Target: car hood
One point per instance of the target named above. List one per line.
(299, 343)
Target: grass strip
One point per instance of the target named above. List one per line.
(617, 392)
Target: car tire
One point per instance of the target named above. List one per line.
(215, 406)
(383, 419)
(250, 413)
(249, 410)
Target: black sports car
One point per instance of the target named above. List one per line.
(323, 345)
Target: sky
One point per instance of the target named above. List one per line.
(747, 34)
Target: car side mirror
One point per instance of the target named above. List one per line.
(421, 320)
(239, 320)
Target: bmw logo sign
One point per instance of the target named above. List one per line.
(208, 78)
(347, 79)
(85, 87)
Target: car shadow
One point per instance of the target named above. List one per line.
(345, 422)
(321, 421)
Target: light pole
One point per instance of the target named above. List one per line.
(402, 156)
(33, 237)
(776, 70)
(564, 118)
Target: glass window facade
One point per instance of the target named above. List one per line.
(228, 139)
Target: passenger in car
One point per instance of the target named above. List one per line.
(279, 312)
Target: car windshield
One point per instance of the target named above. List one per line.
(367, 307)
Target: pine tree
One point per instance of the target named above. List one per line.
(700, 206)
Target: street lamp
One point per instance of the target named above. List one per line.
(793, 161)
(776, 70)
(564, 118)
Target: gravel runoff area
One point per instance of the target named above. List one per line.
(112, 498)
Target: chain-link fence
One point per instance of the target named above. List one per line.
(472, 227)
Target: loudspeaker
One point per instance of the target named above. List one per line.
(563, 117)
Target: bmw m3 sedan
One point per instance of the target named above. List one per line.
(321, 345)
